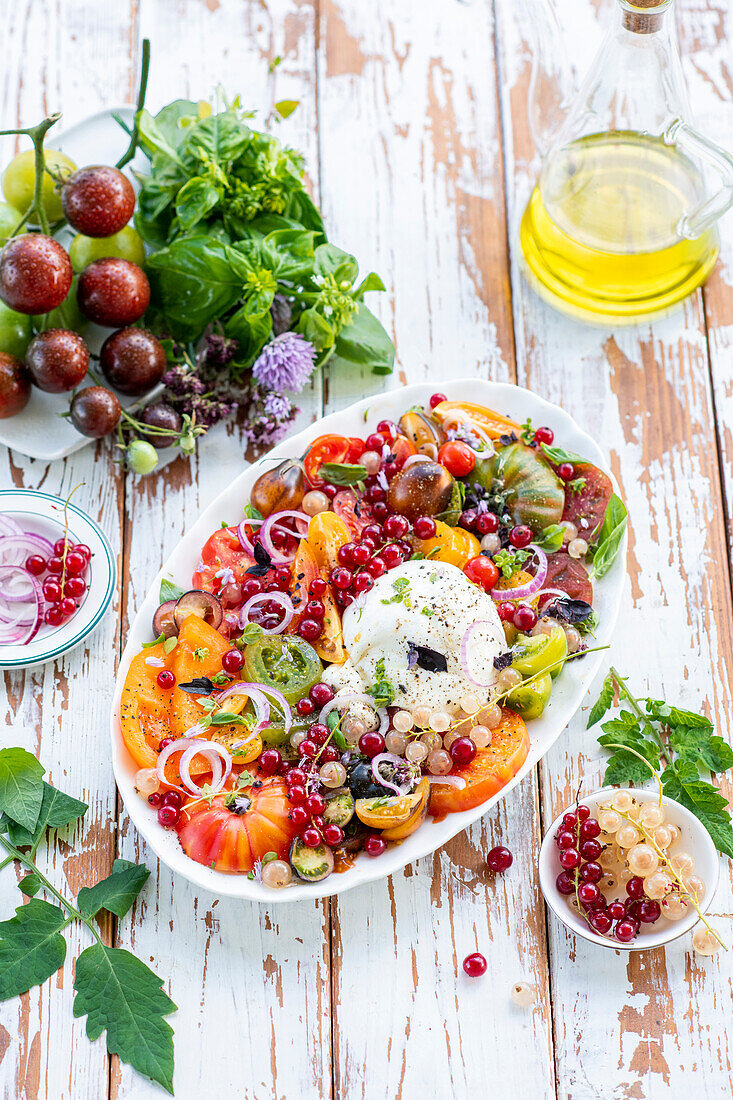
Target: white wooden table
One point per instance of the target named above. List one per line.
(412, 119)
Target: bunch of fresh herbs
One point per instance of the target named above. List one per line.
(116, 992)
(648, 737)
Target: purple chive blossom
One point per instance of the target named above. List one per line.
(286, 363)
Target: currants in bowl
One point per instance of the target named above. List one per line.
(133, 361)
(35, 273)
(95, 411)
(58, 360)
(98, 200)
(113, 292)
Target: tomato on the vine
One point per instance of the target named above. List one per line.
(457, 457)
(331, 448)
(482, 571)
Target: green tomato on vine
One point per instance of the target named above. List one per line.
(125, 245)
(16, 331)
(19, 181)
(9, 218)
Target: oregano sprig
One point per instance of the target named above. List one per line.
(116, 991)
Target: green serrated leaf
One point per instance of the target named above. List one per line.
(700, 746)
(119, 994)
(117, 892)
(31, 947)
(57, 809)
(688, 719)
(681, 782)
(603, 702)
(623, 766)
(21, 786)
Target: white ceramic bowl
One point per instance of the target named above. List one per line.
(568, 691)
(694, 839)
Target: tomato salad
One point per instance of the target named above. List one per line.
(366, 644)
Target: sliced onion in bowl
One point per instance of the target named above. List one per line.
(265, 597)
(530, 587)
(254, 692)
(9, 526)
(21, 601)
(14, 549)
(215, 754)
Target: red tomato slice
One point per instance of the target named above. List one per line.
(569, 575)
(587, 507)
(330, 448)
(344, 505)
(222, 550)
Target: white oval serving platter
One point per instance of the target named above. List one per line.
(568, 691)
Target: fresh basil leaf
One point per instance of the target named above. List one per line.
(285, 107)
(316, 329)
(153, 137)
(155, 641)
(195, 200)
(558, 455)
(551, 538)
(226, 718)
(330, 260)
(119, 994)
(200, 685)
(57, 810)
(250, 512)
(220, 137)
(252, 633)
(343, 473)
(292, 252)
(116, 893)
(603, 703)
(681, 782)
(365, 341)
(31, 947)
(21, 786)
(610, 537)
(371, 282)
(169, 591)
(194, 281)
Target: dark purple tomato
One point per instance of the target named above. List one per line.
(58, 360)
(113, 292)
(95, 411)
(133, 361)
(15, 385)
(35, 273)
(98, 201)
(161, 416)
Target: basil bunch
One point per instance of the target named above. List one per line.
(231, 226)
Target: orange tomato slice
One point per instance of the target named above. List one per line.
(493, 423)
(489, 771)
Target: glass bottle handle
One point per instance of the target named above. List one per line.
(691, 141)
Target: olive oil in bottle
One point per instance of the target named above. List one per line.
(601, 231)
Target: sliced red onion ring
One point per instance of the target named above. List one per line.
(532, 586)
(449, 780)
(155, 662)
(465, 642)
(9, 526)
(14, 549)
(215, 754)
(412, 459)
(281, 702)
(243, 537)
(356, 697)
(273, 522)
(265, 597)
(388, 758)
(553, 593)
(256, 694)
(20, 616)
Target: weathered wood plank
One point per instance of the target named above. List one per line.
(252, 984)
(624, 1022)
(419, 198)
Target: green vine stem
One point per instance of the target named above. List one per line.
(633, 703)
(37, 134)
(142, 89)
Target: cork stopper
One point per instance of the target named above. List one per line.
(644, 16)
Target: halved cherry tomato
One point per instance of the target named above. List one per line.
(457, 457)
(331, 448)
(482, 571)
(327, 533)
(447, 413)
(344, 505)
(489, 771)
(222, 550)
(401, 448)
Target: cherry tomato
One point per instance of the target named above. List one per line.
(331, 448)
(19, 181)
(125, 245)
(457, 457)
(482, 571)
(401, 448)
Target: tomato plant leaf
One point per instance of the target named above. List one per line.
(57, 809)
(31, 947)
(116, 893)
(681, 782)
(119, 994)
(21, 786)
(603, 703)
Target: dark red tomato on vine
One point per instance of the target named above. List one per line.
(457, 457)
(586, 506)
(331, 448)
(344, 505)
(222, 550)
(569, 575)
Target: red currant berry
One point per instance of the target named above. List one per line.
(506, 611)
(82, 548)
(55, 565)
(154, 798)
(344, 553)
(462, 750)
(75, 587)
(299, 815)
(75, 563)
(333, 835)
(374, 442)
(583, 812)
(371, 743)
(474, 965)
(341, 578)
(589, 894)
(486, 523)
(425, 527)
(392, 556)
(329, 754)
(437, 399)
(60, 547)
(319, 733)
(380, 511)
(172, 798)
(35, 564)
(53, 616)
(396, 526)
(168, 816)
(374, 845)
(311, 837)
(251, 587)
(591, 872)
(525, 618)
(625, 931)
(270, 762)
(520, 536)
(649, 911)
(468, 519)
(165, 679)
(388, 429)
(362, 583)
(565, 839)
(377, 566)
(295, 776)
(566, 471)
(305, 707)
(569, 821)
(52, 590)
(232, 661)
(315, 804)
(375, 494)
(318, 588)
(310, 629)
(499, 859)
(544, 435)
(616, 909)
(360, 554)
(307, 748)
(565, 883)
(600, 921)
(67, 606)
(374, 532)
(591, 849)
(635, 888)
(315, 609)
(321, 694)
(589, 829)
(297, 794)
(569, 859)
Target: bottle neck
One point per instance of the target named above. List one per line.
(644, 16)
